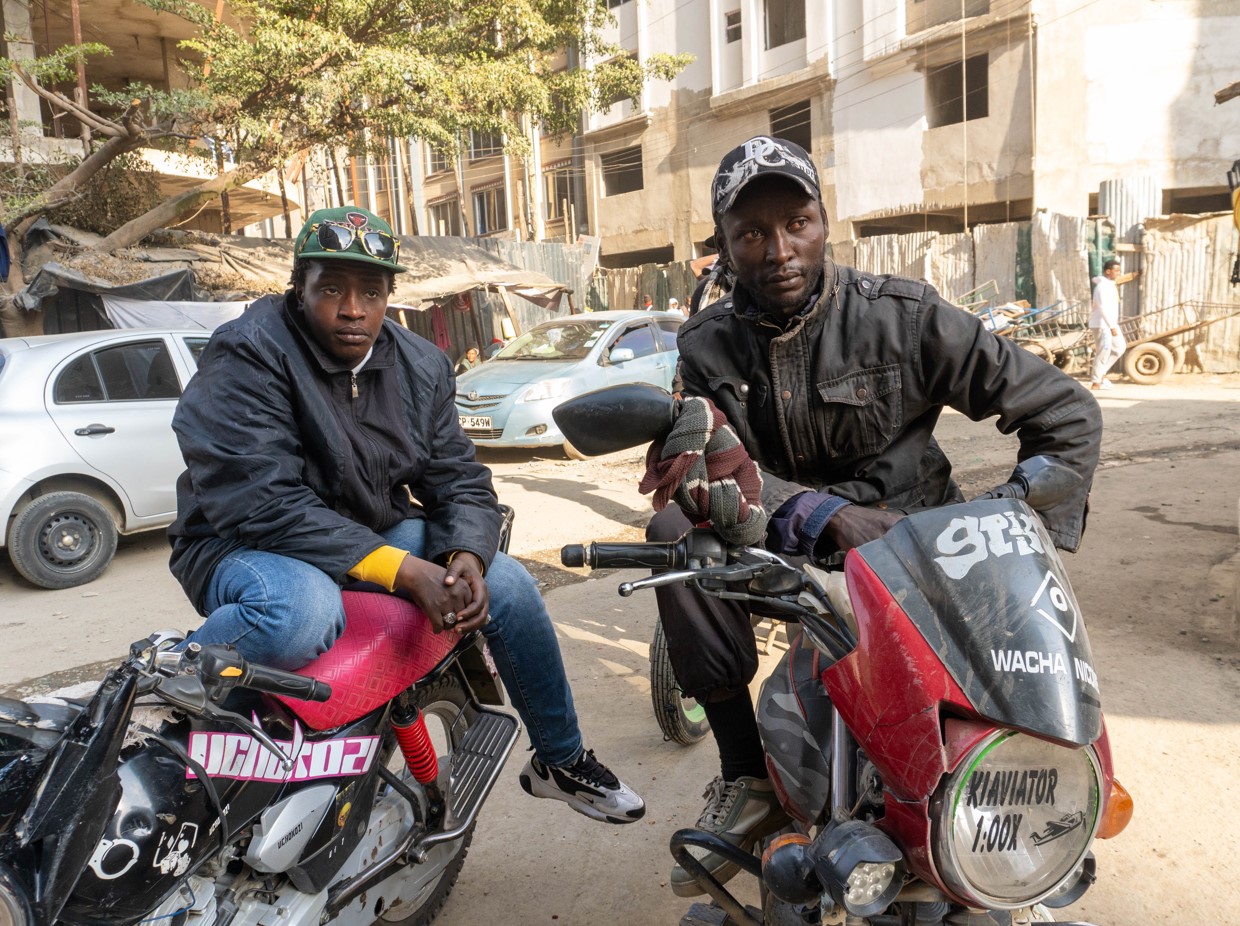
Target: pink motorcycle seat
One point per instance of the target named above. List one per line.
(387, 645)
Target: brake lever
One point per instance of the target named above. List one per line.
(190, 694)
(734, 573)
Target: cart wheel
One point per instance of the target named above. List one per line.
(1178, 353)
(1149, 363)
(1038, 350)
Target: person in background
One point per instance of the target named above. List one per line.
(469, 361)
(647, 304)
(673, 305)
(1109, 343)
(322, 447)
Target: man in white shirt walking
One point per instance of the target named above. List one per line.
(1109, 344)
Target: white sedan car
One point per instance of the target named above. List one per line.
(87, 450)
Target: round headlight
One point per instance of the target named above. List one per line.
(13, 909)
(1016, 818)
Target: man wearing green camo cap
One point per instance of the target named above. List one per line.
(311, 422)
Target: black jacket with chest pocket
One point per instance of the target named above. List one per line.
(282, 456)
(845, 400)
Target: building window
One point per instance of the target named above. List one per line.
(559, 183)
(622, 171)
(785, 22)
(732, 26)
(490, 211)
(958, 92)
(485, 144)
(612, 4)
(792, 122)
(445, 218)
(436, 160)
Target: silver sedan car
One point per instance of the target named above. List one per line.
(87, 450)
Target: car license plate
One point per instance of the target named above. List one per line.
(475, 422)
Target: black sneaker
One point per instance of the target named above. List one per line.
(587, 786)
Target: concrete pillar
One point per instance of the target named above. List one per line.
(26, 101)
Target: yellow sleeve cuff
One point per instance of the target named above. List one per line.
(380, 567)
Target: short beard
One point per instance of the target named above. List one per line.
(786, 306)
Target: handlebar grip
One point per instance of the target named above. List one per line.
(277, 682)
(625, 555)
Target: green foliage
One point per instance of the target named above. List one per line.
(285, 74)
(122, 191)
(275, 77)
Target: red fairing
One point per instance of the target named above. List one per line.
(387, 645)
(890, 688)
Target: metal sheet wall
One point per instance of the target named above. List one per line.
(1060, 259)
(952, 265)
(994, 257)
(1129, 201)
(1188, 257)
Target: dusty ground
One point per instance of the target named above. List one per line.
(1157, 580)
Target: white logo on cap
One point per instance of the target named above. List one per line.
(761, 153)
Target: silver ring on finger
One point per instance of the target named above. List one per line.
(449, 619)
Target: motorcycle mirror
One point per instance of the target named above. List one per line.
(1048, 481)
(615, 418)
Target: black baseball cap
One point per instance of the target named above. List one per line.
(761, 156)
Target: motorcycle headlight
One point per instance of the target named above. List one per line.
(13, 908)
(1015, 819)
(547, 389)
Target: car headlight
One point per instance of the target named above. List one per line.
(1016, 818)
(547, 389)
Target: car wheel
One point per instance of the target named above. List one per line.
(62, 539)
(573, 453)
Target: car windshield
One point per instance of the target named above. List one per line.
(566, 340)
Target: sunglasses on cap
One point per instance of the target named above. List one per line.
(335, 236)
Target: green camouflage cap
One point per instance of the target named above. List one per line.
(349, 233)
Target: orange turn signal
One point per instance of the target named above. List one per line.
(788, 839)
(1118, 812)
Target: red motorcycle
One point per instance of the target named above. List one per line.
(936, 732)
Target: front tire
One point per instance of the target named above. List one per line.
(62, 539)
(573, 453)
(448, 714)
(681, 718)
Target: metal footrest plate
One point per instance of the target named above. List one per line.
(476, 763)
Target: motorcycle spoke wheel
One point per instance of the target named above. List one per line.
(681, 718)
(448, 716)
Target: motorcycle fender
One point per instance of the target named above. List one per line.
(478, 669)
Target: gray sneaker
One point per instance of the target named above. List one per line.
(742, 812)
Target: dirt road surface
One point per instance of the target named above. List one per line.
(1157, 580)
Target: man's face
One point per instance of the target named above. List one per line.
(344, 304)
(774, 234)
(1111, 273)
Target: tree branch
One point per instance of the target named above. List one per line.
(60, 101)
(134, 231)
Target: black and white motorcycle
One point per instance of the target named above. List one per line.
(195, 788)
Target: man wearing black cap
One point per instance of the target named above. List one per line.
(833, 380)
(312, 426)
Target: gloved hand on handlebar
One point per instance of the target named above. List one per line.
(704, 468)
(818, 524)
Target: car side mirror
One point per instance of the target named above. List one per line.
(621, 355)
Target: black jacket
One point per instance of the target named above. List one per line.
(280, 456)
(846, 399)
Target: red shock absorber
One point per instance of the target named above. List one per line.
(416, 745)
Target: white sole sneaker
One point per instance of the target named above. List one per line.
(599, 797)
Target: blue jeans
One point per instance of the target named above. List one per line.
(284, 613)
